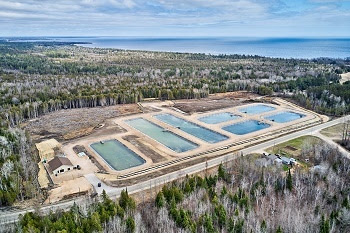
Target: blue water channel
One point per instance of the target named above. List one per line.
(117, 155)
(192, 128)
(246, 127)
(163, 136)
(255, 109)
(219, 118)
(283, 117)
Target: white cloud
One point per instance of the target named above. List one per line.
(137, 16)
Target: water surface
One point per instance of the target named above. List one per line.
(255, 109)
(218, 118)
(283, 117)
(117, 155)
(269, 47)
(246, 127)
(192, 128)
(163, 136)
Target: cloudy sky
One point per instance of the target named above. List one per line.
(280, 18)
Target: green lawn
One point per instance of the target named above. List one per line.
(298, 144)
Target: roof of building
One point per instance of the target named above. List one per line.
(278, 160)
(58, 162)
(285, 159)
(272, 157)
(81, 154)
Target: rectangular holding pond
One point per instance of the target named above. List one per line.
(255, 109)
(192, 128)
(283, 117)
(161, 135)
(219, 118)
(117, 155)
(246, 127)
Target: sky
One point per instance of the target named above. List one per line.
(192, 18)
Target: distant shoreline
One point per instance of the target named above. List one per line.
(288, 48)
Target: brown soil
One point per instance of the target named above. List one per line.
(78, 148)
(135, 140)
(291, 148)
(214, 102)
(73, 123)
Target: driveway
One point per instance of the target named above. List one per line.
(94, 180)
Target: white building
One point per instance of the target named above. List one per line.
(60, 165)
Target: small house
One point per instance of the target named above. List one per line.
(285, 160)
(60, 165)
(278, 161)
(288, 161)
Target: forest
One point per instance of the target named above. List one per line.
(238, 197)
(41, 77)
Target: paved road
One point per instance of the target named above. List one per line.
(94, 180)
(7, 216)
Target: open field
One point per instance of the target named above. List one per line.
(68, 189)
(344, 78)
(214, 102)
(334, 131)
(73, 123)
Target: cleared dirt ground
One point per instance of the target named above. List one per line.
(73, 123)
(68, 188)
(135, 140)
(214, 102)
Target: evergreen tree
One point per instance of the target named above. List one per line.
(289, 181)
(130, 225)
(160, 201)
(279, 230)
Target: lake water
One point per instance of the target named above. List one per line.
(246, 127)
(255, 109)
(191, 128)
(118, 156)
(161, 135)
(270, 47)
(218, 118)
(283, 117)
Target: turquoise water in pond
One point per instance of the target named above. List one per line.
(192, 128)
(283, 117)
(117, 155)
(219, 118)
(246, 127)
(167, 138)
(255, 109)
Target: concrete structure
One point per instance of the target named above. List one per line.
(48, 149)
(60, 165)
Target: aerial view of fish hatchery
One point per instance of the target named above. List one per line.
(85, 151)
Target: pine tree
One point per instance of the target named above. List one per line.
(289, 181)
(160, 200)
(130, 225)
(279, 230)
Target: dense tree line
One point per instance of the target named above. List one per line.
(18, 169)
(323, 94)
(94, 218)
